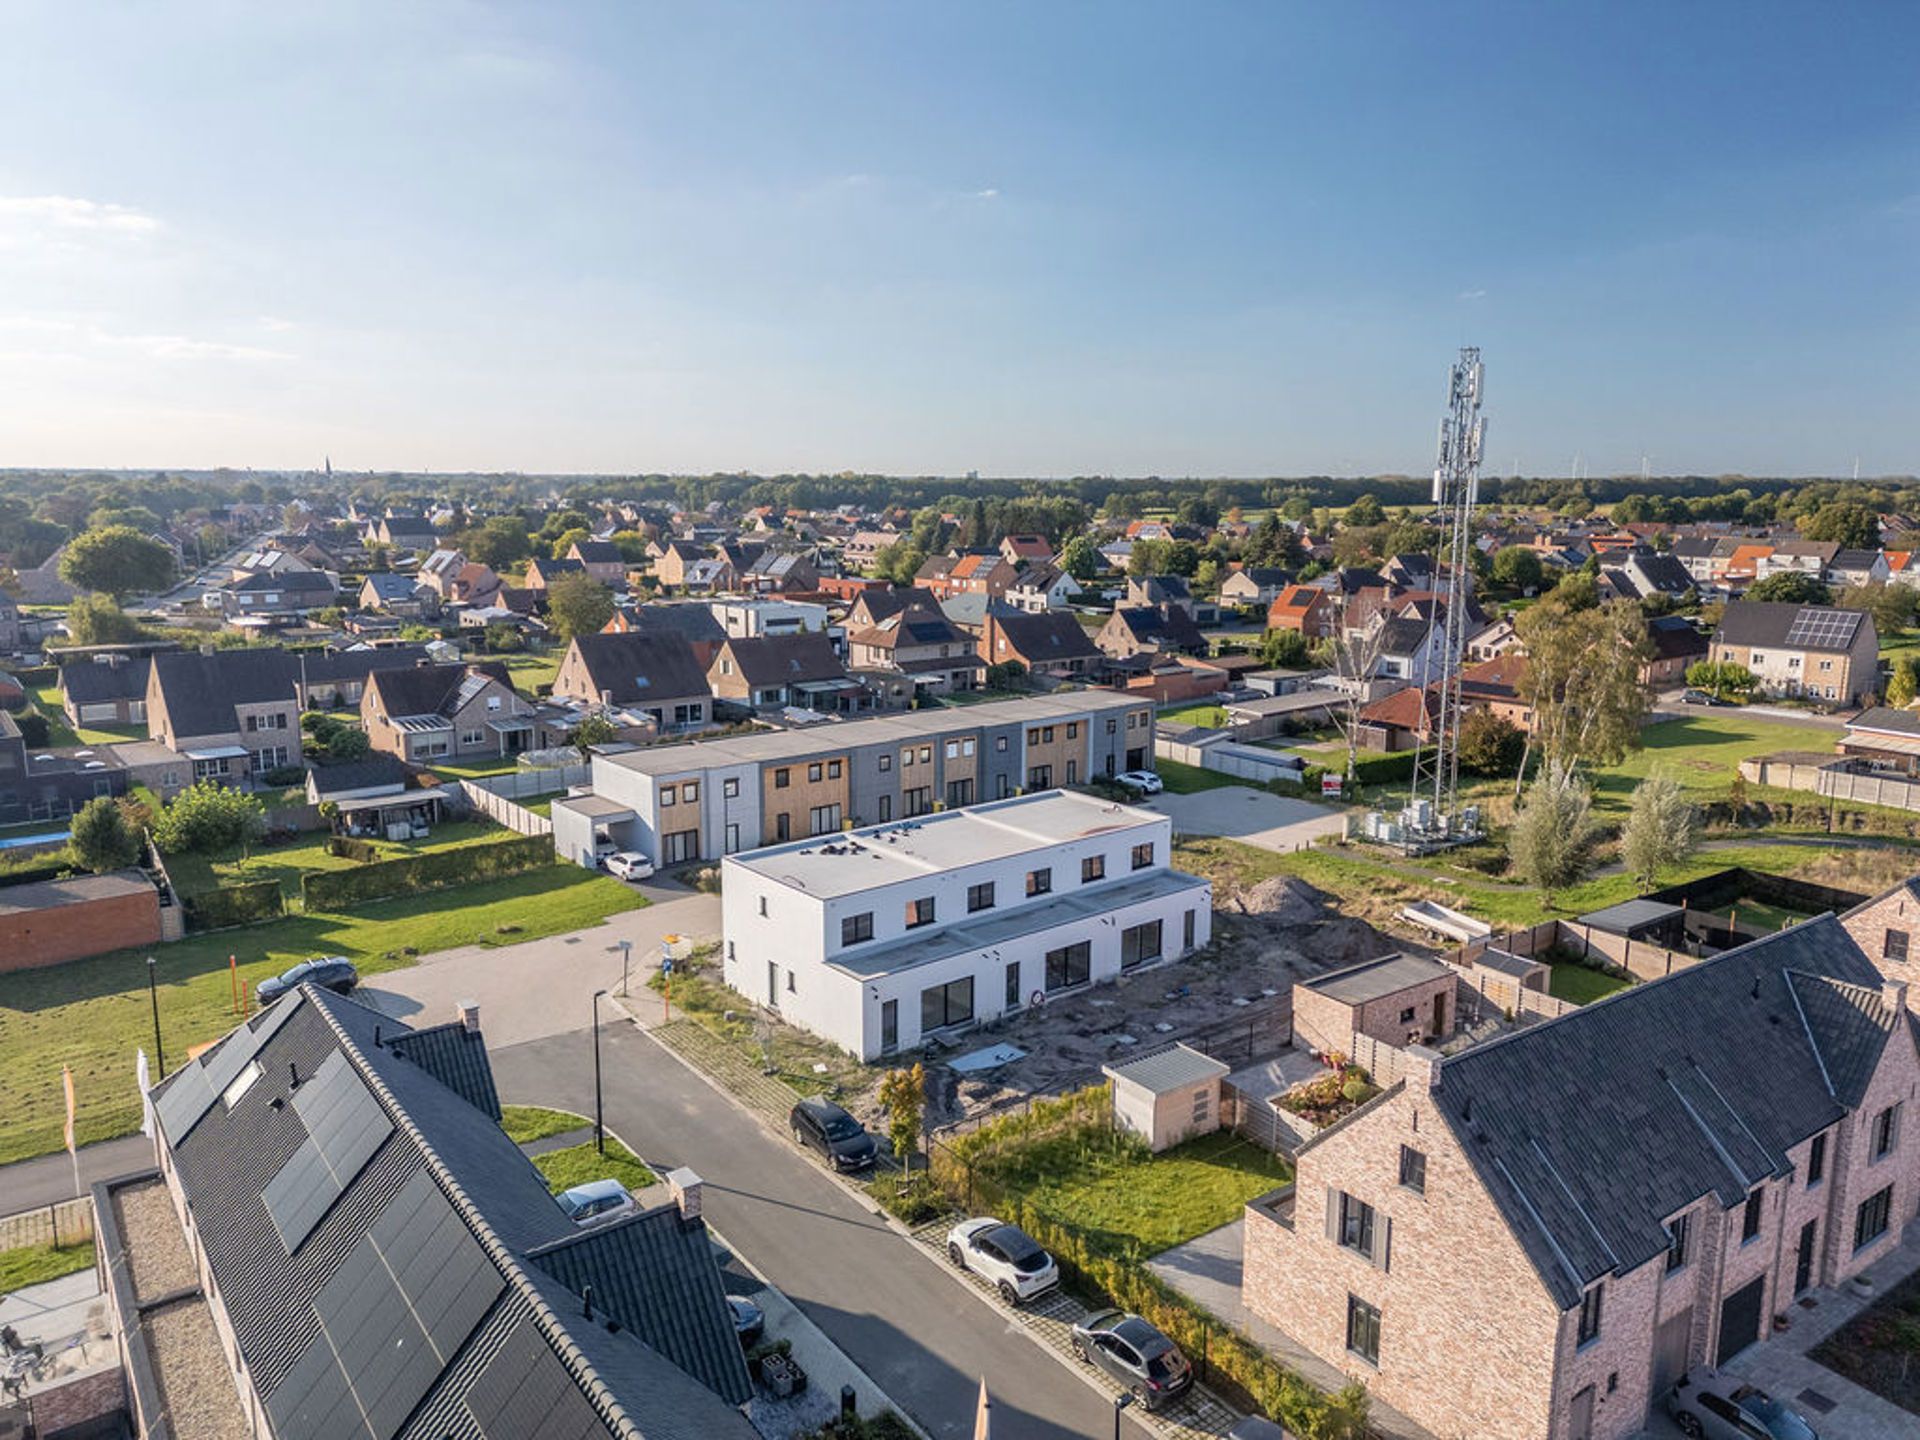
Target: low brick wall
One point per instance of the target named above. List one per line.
(57, 921)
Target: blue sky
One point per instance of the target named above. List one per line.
(914, 237)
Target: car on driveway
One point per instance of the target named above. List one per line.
(1143, 782)
(597, 1200)
(628, 865)
(1004, 1254)
(1700, 697)
(823, 1126)
(1710, 1406)
(1136, 1354)
(329, 972)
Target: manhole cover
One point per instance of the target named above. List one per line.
(1814, 1400)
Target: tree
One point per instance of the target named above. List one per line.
(1555, 839)
(1206, 577)
(1519, 567)
(1147, 557)
(1582, 681)
(1904, 683)
(498, 543)
(117, 560)
(1285, 650)
(1855, 526)
(101, 839)
(346, 743)
(1892, 606)
(565, 540)
(593, 730)
(578, 605)
(207, 816)
(899, 562)
(1662, 829)
(1364, 512)
(97, 620)
(904, 1094)
(1490, 744)
(1577, 590)
(1080, 559)
(503, 639)
(1791, 587)
(1721, 677)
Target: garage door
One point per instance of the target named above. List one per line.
(1740, 1319)
(1670, 1351)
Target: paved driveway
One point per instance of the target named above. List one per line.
(543, 987)
(1256, 817)
(882, 1299)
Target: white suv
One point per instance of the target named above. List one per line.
(1143, 782)
(1004, 1254)
(629, 865)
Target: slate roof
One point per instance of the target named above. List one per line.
(86, 683)
(1404, 637)
(641, 665)
(1161, 625)
(911, 629)
(1675, 635)
(375, 769)
(200, 691)
(1591, 1129)
(695, 623)
(1886, 717)
(1041, 638)
(432, 689)
(769, 660)
(414, 1307)
(551, 570)
(597, 552)
(316, 582)
(1662, 572)
(1853, 560)
(389, 588)
(1769, 622)
(333, 666)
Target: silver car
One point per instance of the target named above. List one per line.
(1725, 1407)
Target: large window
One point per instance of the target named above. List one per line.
(1678, 1234)
(1143, 855)
(944, 1005)
(1092, 868)
(1590, 1314)
(1750, 1218)
(1355, 1224)
(920, 912)
(1069, 966)
(824, 819)
(1139, 944)
(680, 846)
(1886, 1132)
(1040, 882)
(980, 897)
(917, 801)
(1871, 1220)
(856, 928)
(1039, 777)
(1363, 1329)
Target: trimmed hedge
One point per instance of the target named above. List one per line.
(1380, 769)
(348, 848)
(411, 874)
(231, 905)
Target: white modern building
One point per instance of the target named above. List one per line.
(750, 619)
(882, 938)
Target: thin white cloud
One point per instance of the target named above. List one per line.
(988, 194)
(1473, 294)
(70, 213)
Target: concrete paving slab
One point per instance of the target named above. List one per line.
(1254, 817)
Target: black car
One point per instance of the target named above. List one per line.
(1134, 1352)
(822, 1125)
(329, 972)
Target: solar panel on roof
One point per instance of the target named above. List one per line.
(313, 1400)
(447, 1277)
(1823, 629)
(345, 1127)
(525, 1393)
(198, 1083)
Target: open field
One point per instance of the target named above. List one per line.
(196, 874)
(1703, 752)
(93, 1014)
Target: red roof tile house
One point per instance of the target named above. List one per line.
(1534, 1238)
(1305, 608)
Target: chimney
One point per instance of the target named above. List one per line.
(685, 1187)
(1894, 992)
(469, 1014)
(1421, 1066)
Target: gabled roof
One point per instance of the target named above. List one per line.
(332, 666)
(1404, 637)
(597, 552)
(769, 660)
(1662, 572)
(1591, 1129)
(693, 623)
(374, 771)
(1887, 719)
(200, 691)
(1049, 637)
(86, 683)
(550, 569)
(1798, 627)
(641, 666)
(388, 587)
(432, 689)
(1675, 636)
(376, 1241)
(1414, 708)
(910, 629)
(1852, 560)
(1160, 625)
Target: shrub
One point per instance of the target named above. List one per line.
(411, 874)
(348, 743)
(33, 729)
(348, 848)
(286, 775)
(206, 816)
(102, 840)
(230, 905)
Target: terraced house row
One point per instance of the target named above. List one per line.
(700, 801)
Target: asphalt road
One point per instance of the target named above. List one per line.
(48, 1179)
(889, 1306)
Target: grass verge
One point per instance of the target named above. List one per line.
(93, 1014)
(527, 1123)
(577, 1164)
(1187, 779)
(37, 1264)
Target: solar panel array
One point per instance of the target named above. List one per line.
(525, 1393)
(345, 1126)
(1820, 629)
(197, 1084)
(392, 1319)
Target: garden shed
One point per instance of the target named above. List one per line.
(1167, 1096)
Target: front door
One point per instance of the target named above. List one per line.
(1670, 1347)
(1580, 1418)
(1803, 1261)
(889, 1026)
(1740, 1319)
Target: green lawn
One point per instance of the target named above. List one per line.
(92, 1014)
(1703, 752)
(48, 697)
(195, 874)
(37, 1264)
(578, 1164)
(1210, 716)
(1582, 985)
(476, 768)
(1184, 779)
(541, 804)
(1126, 1202)
(525, 1123)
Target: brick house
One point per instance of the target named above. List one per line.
(648, 669)
(1604, 1200)
(975, 572)
(1885, 927)
(1150, 630)
(1254, 585)
(1811, 650)
(436, 712)
(1053, 644)
(109, 689)
(925, 646)
(602, 560)
(1305, 608)
(543, 571)
(233, 713)
(9, 625)
(1677, 643)
(1397, 1000)
(767, 672)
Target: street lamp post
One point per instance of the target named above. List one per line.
(1120, 1402)
(153, 993)
(599, 1120)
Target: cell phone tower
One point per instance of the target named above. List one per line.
(1433, 817)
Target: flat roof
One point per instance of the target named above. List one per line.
(846, 734)
(597, 807)
(1508, 963)
(75, 890)
(1375, 979)
(1629, 915)
(859, 860)
(997, 927)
